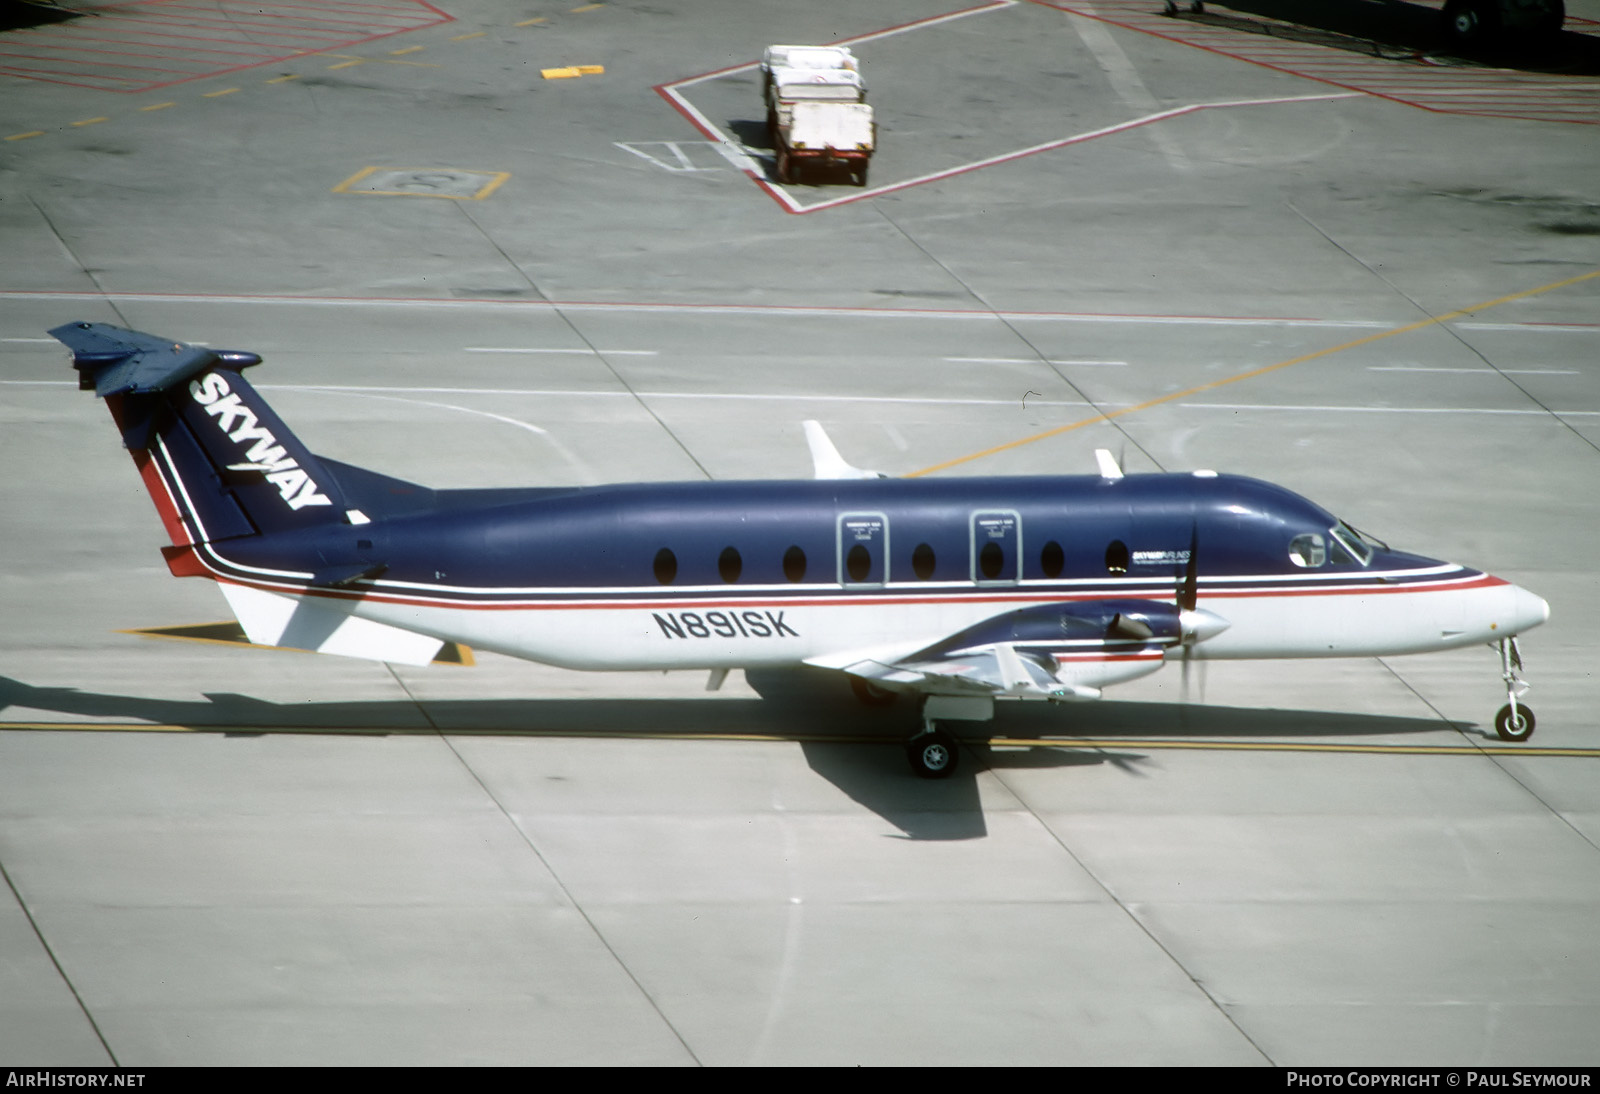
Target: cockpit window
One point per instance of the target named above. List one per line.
(1308, 550)
(1355, 547)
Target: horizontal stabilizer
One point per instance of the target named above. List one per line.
(1109, 467)
(114, 361)
(342, 577)
(825, 459)
(303, 624)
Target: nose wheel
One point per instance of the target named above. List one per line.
(1515, 721)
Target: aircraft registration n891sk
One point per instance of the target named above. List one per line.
(958, 592)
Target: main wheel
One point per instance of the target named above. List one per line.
(783, 167)
(932, 755)
(1518, 727)
(1470, 23)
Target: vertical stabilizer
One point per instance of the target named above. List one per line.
(218, 461)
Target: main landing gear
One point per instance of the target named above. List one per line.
(933, 752)
(1515, 721)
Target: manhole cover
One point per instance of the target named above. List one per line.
(423, 182)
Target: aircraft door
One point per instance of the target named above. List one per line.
(996, 547)
(863, 549)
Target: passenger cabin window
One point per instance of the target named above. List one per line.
(730, 565)
(794, 564)
(996, 546)
(1117, 557)
(923, 562)
(666, 566)
(1308, 551)
(863, 548)
(991, 561)
(858, 563)
(1052, 559)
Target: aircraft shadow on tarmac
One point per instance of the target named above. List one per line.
(24, 14)
(1392, 27)
(858, 749)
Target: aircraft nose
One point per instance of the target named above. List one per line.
(1527, 611)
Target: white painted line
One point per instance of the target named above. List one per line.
(1048, 146)
(1029, 361)
(580, 352)
(1484, 371)
(779, 310)
(709, 396)
(32, 341)
(1565, 328)
(1391, 409)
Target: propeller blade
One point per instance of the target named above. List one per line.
(1189, 591)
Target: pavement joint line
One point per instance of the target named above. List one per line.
(1168, 743)
(1251, 374)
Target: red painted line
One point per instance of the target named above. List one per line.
(277, 34)
(1349, 72)
(178, 45)
(174, 11)
(175, 58)
(254, 34)
(95, 72)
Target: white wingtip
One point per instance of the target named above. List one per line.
(1108, 464)
(825, 458)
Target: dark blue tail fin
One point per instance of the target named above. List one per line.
(218, 462)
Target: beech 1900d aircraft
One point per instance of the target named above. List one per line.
(958, 591)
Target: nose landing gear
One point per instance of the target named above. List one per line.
(1514, 722)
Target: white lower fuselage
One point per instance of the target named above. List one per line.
(1353, 615)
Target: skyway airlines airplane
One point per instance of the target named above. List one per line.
(958, 591)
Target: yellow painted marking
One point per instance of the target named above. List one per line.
(283, 79)
(464, 37)
(403, 52)
(344, 186)
(1282, 746)
(155, 106)
(90, 121)
(347, 64)
(230, 633)
(497, 179)
(25, 136)
(590, 70)
(1253, 373)
(560, 73)
(586, 7)
(537, 19)
(219, 94)
(678, 735)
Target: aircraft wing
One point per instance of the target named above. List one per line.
(1059, 651)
